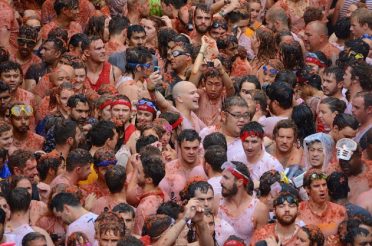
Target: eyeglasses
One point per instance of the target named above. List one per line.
(176, 53)
(216, 25)
(17, 110)
(25, 41)
(272, 71)
(239, 116)
(285, 198)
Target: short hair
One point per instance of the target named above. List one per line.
(342, 28)
(215, 156)
(153, 167)
(336, 71)
(109, 222)
(253, 126)
(64, 130)
(136, 56)
(203, 186)
(64, 198)
(101, 132)
(266, 180)
(143, 141)
(353, 233)
(77, 98)
(215, 138)
(4, 126)
(286, 76)
(367, 97)
(334, 104)
(312, 14)
(79, 39)
(19, 200)
(46, 164)
(239, 81)
(4, 87)
(58, 44)
(343, 120)
(189, 135)
(176, 3)
(282, 93)
(59, 5)
(233, 101)
(118, 24)
(124, 208)
(277, 13)
(19, 158)
(308, 176)
(286, 123)
(362, 72)
(78, 158)
(58, 32)
(135, 28)
(243, 169)
(9, 66)
(314, 234)
(2, 216)
(130, 241)
(32, 236)
(171, 209)
(204, 8)
(364, 16)
(338, 185)
(115, 178)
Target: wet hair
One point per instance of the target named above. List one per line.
(135, 28)
(314, 234)
(64, 130)
(358, 46)
(4, 87)
(109, 222)
(282, 93)
(118, 24)
(337, 72)
(334, 104)
(58, 44)
(239, 81)
(2, 216)
(28, 32)
(136, 56)
(353, 233)
(18, 159)
(32, 236)
(171, 209)
(203, 186)
(95, 26)
(16, 180)
(243, 169)
(176, 3)
(211, 73)
(233, 101)
(4, 55)
(64, 198)
(204, 8)
(364, 16)
(129, 241)
(312, 14)
(287, 123)
(10, 66)
(215, 156)
(338, 186)
(76, 238)
(124, 208)
(286, 76)
(79, 39)
(303, 117)
(45, 164)
(362, 72)
(307, 177)
(59, 5)
(19, 200)
(253, 126)
(153, 167)
(267, 48)
(101, 132)
(342, 28)
(115, 178)
(343, 120)
(277, 13)
(77, 98)
(215, 138)
(78, 158)
(266, 180)
(59, 32)
(291, 55)
(367, 98)
(189, 135)
(143, 141)
(165, 35)
(156, 224)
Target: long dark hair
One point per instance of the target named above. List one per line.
(304, 119)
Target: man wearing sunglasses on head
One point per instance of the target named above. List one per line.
(318, 210)
(285, 228)
(19, 115)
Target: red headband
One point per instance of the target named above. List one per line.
(233, 243)
(314, 61)
(105, 104)
(177, 122)
(246, 134)
(121, 102)
(147, 108)
(238, 175)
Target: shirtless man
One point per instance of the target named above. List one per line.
(286, 148)
(99, 71)
(244, 212)
(362, 111)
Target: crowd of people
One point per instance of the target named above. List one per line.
(185, 122)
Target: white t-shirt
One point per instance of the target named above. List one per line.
(215, 183)
(84, 224)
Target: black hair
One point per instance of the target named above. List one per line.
(2, 216)
(95, 26)
(189, 135)
(342, 28)
(124, 208)
(282, 93)
(58, 32)
(165, 35)
(336, 71)
(115, 178)
(59, 5)
(215, 138)
(312, 14)
(64, 130)
(101, 132)
(215, 156)
(136, 56)
(338, 186)
(176, 3)
(291, 55)
(170, 208)
(353, 233)
(28, 32)
(266, 180)
(118, 24)
(334, 104)
(286, 76)
(77, 98)
(64, 198)
(78, 158)
(45, 165)
(79, 39)
(19, 200)
(4, 87)
(153, 167)
(143, 141)
(253, 126)
(304, 119)
(243, 169)
(358, 46)
(130, 241)
(362, 72)
(239, 81)
(9, 66)
(31, 236)
(343, 120)
(134, 28)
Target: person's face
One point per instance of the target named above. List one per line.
(30, 170)
(329, 85)
(350, 10)
(102, 171)
(37, 242)
(285, 139)
(48, 52)
(353, 166)
(205, 199)
(72, 13)
(311, 39)
(318, 191)
(190, 97)
(189, 151)
(232, 49)
(80, 113)
(62, 99)
(25, 46)
(316, 155)
(302, 239)
(4, 205)
(255, 11)
(149, 28)
(112, 142)
(179, 62)
(106, 113)
(363, 240)
(60, 76)
(80, 75)
(235, 119)
(97, 51)
(286, 213)
(346, 132)
(313, 68)
(217, 33)
(347, 78)
(325, 115)
(165, 139)
(202, 21)
(143, 117)
(214, 87)
(269, 74)
(25, 183)
(13, 78)
(252, 146)
(356, 28)
(109, 239)
(83, 172)
(128, 221)
(228, 184)
(5, 100)
(121, 112)
(137, 39)
(270, 24)
(209, 220)
(6, 139)
(64, 215)
(358, 109)
(21, 124)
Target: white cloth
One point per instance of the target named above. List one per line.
(17, 234)
(215, 183)
(84, 224)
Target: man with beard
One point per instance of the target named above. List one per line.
(121, 114)
(24, 138)
(202, 22)
(332, 83)
(239, 208)
(5, 99)
(23, 163)
(149, 172)
(362, 111)
(284, 229)
(77, 168)
(285, 147)
(80, 110)
(318, 210)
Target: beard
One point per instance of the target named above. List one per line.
(203, 30)
(286, 222)
(229, 192)
(23, 129)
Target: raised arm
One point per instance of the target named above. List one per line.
(195, 71)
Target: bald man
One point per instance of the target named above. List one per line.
(316, 39)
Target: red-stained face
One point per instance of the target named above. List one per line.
(318, 191)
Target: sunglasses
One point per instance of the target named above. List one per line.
(177, 53)
(216, 25)
(287, 198)
(17, 110)
(25, 41)
(316, 176)
(272, 71)
(145, 65)
(148, 103)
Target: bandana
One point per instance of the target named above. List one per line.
(233, 243)
(121, 102)
(145, 107)
(177, 122)
(244, 135)
(106, 163)
(237, 174)
(105, 104)
(315, 61)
